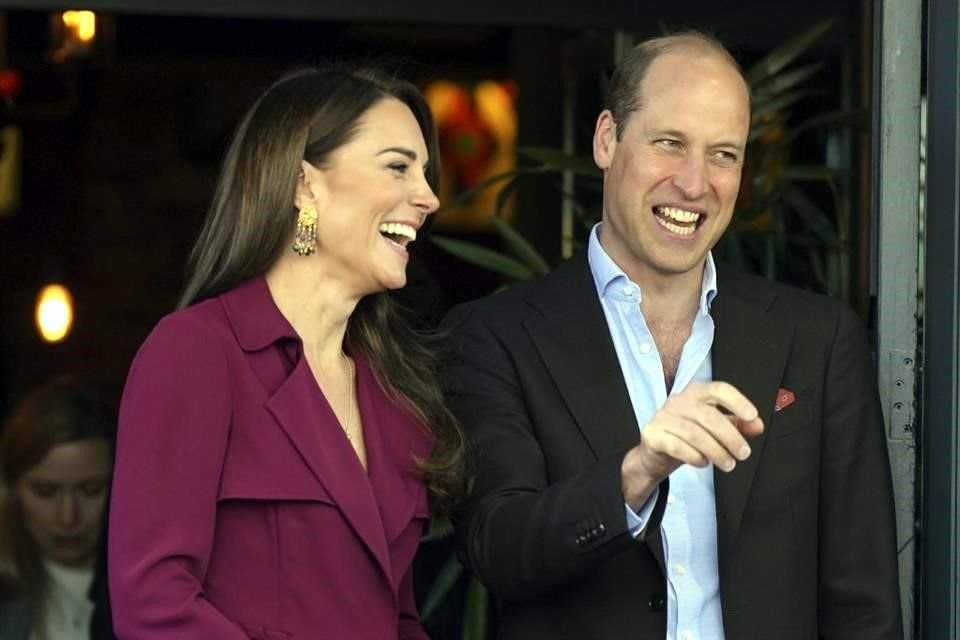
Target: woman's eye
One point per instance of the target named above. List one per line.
(44, 491)
(92, 489)
(398, 167)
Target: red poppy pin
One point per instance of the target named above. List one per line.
(785, 398)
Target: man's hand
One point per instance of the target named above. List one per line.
(703, 424)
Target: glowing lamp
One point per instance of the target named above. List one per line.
(54, 313)
(82, 24)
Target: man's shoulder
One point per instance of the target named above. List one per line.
(778, 294)
(555, 289)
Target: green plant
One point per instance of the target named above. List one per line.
(779, 230)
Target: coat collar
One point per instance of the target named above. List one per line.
(254, 316)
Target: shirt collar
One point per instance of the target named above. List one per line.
(608, 277)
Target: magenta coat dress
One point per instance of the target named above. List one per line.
(239, 508)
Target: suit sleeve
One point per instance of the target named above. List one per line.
(173, 428)
(859, 592)
(522, 534)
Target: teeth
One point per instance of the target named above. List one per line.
(675, 228)
(679, 215)
(398, 229)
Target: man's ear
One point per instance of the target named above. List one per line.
(605, 140)
(311, 187)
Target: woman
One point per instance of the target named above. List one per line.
(281, 432)
(56, 455)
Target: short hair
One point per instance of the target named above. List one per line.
(624, 96)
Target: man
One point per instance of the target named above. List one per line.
(665, 448)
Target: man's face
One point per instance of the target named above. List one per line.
(670, 183)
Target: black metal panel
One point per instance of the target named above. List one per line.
(940, 555)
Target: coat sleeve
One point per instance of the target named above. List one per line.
(859, 591)
(173, 427)
(522, 534)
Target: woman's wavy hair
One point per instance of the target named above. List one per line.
(60, 411)
(307, 115)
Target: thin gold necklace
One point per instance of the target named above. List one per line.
(347, 424)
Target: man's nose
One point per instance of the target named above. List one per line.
(691, 177)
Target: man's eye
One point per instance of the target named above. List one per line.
(670, 144)
(727, 158)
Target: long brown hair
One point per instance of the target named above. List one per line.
(61, 411)
(307, 115)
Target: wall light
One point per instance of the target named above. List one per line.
(82, 24)
(54, 314)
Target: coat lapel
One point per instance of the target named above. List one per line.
(297, 404)
(750, 352)
(574, 341)
(395, 440)
(305, 416)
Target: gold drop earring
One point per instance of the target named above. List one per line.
(305, 239)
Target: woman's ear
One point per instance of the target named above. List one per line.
(310, 189)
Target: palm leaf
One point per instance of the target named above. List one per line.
(557, 160)
(483, 257)
(442, 585)
(773, 62)
(777, 84)
(475, 613)
(521, 248)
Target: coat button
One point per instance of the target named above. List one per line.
(656, 603)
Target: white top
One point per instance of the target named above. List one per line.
(68, 609)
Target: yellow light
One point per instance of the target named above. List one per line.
(82, 23)
(54, 313)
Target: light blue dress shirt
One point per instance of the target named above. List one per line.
(689, 526)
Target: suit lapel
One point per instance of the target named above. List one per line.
(574, 342)
(750, 351)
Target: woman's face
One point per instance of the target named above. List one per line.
(63, 497)
(371, 196)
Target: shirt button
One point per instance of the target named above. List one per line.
(687, 635)
(628, 291)
(671, 499)
(656, 603)
(679, 569)
(644, 348)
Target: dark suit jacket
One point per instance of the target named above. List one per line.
(239, 509)
(806, 536)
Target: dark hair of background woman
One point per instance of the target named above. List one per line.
(58, 412)
(307, 115)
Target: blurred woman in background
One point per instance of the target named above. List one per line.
(56, 455)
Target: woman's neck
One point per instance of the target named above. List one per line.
(317, 308)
